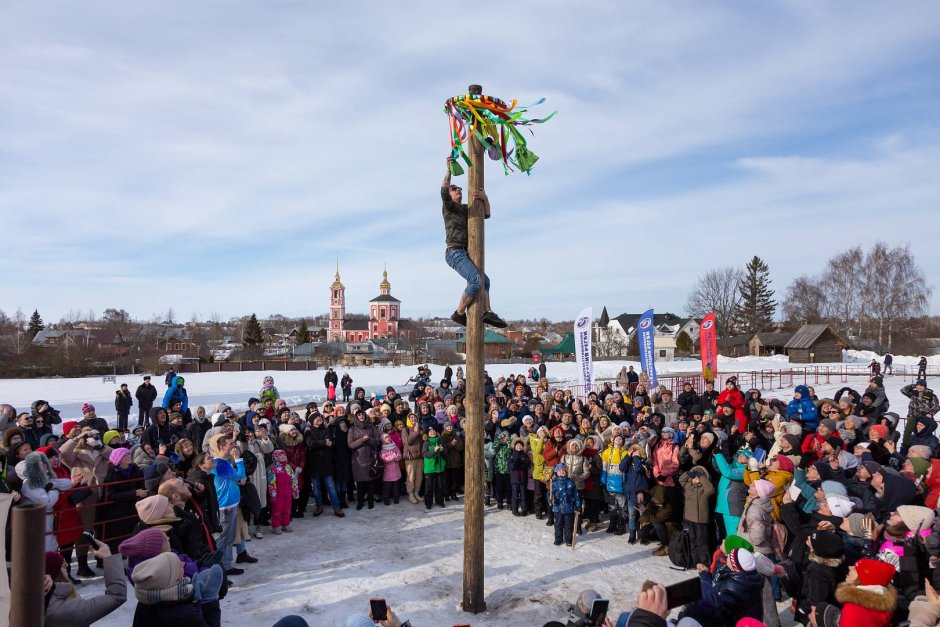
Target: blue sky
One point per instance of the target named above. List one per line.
(214, 157)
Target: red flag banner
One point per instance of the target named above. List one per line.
(708, 343)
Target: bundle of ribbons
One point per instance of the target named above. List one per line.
(495, 124)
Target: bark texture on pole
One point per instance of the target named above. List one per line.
(28, 565)
(473, 463)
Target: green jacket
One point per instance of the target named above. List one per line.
(501, 457)
(434, 460)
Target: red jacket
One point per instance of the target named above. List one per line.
(865, 608)
(736, 398)
(933, 485)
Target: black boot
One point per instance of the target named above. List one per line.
(551, 519)
(612, 527)
(632, 538)
(343, 503)
(83, 569)
(621, 526)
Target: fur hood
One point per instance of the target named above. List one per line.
(831, 562)
(868, 596)
(292, 441)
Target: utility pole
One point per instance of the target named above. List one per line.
(473, 464)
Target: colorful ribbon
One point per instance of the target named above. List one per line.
(493, 123)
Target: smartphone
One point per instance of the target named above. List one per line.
(760, 455)
(683, 593)
(599, 611)
(379, 609)
(91, 539)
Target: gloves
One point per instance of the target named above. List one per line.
(752, 464)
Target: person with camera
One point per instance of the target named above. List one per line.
(65, 607)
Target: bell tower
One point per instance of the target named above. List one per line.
(337, 308)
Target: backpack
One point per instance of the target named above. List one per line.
(680, 550)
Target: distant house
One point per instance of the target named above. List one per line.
(615, 334)
(816, 343)
(766, 344)
(176, 345)
(563, 350)
(495, 346)
(665, 346)
(734, 346)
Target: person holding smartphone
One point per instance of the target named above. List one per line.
(65, 606)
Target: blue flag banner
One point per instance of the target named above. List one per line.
(646, 330)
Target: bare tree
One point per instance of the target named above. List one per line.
(716, 290)
(895, 289)
(845, 286)
(804, 302)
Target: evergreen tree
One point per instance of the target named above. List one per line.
(683, 342)
(755, 312)
(303, 333)
(633, 348)
(253, 335)
(35, 325)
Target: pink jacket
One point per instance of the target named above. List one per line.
(666, 462)
(391, 456)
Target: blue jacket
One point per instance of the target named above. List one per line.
(804, 408)
(636, 474)
(565, 496)
(176, 393)
(226, 481)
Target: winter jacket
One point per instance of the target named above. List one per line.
(819, 583)
(551, 454)
(730, 486)
(63, 611)
(756, 524)
(269, 393)
(175, 614)
(501, 453)
(922, 403)
(227, 477)
(565, 496)
(727, 597)
(688, 402)
(736, 398)
(781, 480)
(90, 464)
(259, 478)
(176, 392)
(196, 431)
(804, 409)
(453, 447)
(123, 402)
(411, 442)
(145, 395)
(862, 607)
(281, 477)
(319, 455)
(636, 474)
(658, 510)
(434, 456)
(362, 450)
(696, 507)
(576, 464)
(611, 476)
(925, 437)
(665, 462)
(207, 500)
(519, 465)
(391, 455)
(536, 445)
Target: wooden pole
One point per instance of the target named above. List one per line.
(473, 462)
(27, 562)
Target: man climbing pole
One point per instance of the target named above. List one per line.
(455, 231)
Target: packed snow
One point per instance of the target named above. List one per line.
(330, 568)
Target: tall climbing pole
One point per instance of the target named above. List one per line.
(486, 125)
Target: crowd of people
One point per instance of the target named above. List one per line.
(829, 502)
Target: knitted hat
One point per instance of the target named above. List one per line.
(915, 516)
(68, 425)
(856, 524)
(881, 430)
(736, 542)
(741, 560)
(874, 572)
(794, 442)
(155, 510)
(827, 544)
(285, 429)
(872, 467)
(840, 506)
(117, 455)
(44, 439)
(153, 474)
(359, 620)
(54, 563)
(786, 464)
(764, 488)
(831, 488)
(160, 579)
(143, 544)
(48, 451)
(110, 435)
(88, 407)
(921, 465)
(560, 466)
(830, 424)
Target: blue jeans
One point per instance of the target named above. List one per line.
(459, 260)
(330, 490)
(228, 519)
(632, 511)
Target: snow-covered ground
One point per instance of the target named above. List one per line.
(330, 567)
(298, 388)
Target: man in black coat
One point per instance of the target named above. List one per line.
(146, 394)
(122, 406)
(330, 377)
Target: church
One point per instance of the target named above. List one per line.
(385, 321)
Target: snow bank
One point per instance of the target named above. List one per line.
(865, 357)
